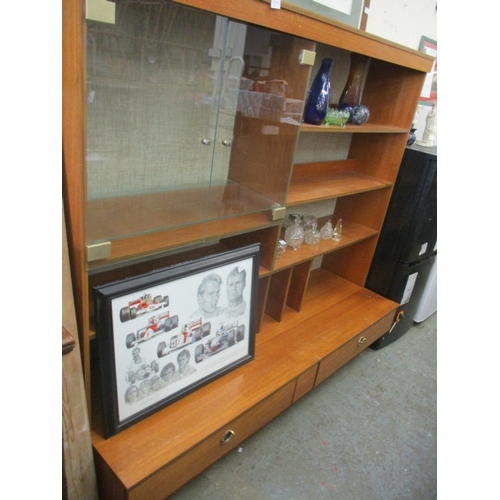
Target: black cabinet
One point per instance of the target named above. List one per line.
(407, 246)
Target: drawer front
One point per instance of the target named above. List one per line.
(352, 348)
(176, 474)
(305, 383)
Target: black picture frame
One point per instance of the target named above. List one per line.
(149, 325)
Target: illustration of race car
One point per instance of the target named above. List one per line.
(157, 324)
(143, 305)
(225, 337)
(190, 333)
(141, 372)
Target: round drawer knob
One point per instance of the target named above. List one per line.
(228, 436)
(361, 340)
(227, 143)
(206, 142)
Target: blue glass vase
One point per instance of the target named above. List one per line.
(319, 95)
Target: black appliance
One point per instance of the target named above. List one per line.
(407, 246)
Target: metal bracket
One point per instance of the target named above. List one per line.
(307, 57)
(100, 10)
(278, 212)
(98, 251)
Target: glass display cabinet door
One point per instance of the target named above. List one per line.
(190, 118)
(267, 84)
(151, 119)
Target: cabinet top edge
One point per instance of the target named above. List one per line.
(318, 29)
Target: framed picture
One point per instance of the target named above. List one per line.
(349, 12)
(164, 334)
(428, 97)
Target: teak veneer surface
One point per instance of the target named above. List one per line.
(366, 128)
(325, 187)
(334, 312)
(332, 33)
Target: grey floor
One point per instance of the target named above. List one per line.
(366, 433)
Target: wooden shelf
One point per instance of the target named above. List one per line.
(366, 128)
(322, 184)
(334, 312)
(176, 238)
(351, 233)
(124, 216)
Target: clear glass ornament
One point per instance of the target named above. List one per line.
(327, 231)
(294, 235)
(307, 221)
(337, 232)
(312, 235)
(281, 248)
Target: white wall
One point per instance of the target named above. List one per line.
(405, 22)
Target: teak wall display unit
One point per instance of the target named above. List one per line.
(170, 155)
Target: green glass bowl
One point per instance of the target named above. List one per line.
(336, 116)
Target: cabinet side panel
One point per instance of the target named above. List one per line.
(110, 487)
(278, 291)
(262, 300)
(351, 263)
(74, 192)
(298, 285)
(379, 155)
(367, 209)
(391, 93)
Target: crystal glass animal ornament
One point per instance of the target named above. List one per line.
(327, 231)
(319, 95)
(294, 235)
(312, 235)
(337, 231)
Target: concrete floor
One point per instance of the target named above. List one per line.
(366, 433)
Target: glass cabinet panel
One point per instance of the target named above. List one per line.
(191, 117)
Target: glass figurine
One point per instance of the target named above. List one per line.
(312, 235)
(337, 232)
(327, 231)
(281, 248)
(294, 235)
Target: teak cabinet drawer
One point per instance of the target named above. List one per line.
(174, 475)
(331, 363)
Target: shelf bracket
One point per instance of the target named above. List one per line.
(307, 57)
(100, 10)
(98, 251)
(278, 212)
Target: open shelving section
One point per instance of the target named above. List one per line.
(313, 313)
